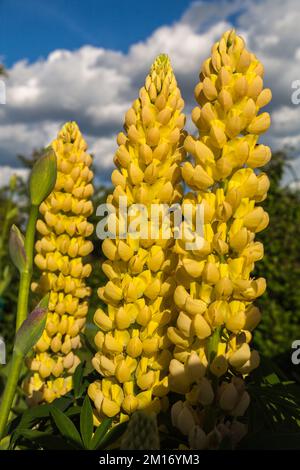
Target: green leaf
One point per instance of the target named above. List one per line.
(77, 380)
(47, 440)
(33, 415)
(272, 379)
(65, 426)
(73, 411)
(42, 411)
(100, 433)
(113, 435)
(86, 422)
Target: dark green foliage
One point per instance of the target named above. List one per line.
(142, 433)
(97, 277)
(280, 266)
(11, 212)
(273, 417)
(67, 423)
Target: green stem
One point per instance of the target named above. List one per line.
(25, 278)
(22, 310)
(213, 344)
(4, 232)
(10, 388)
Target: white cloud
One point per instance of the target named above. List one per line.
(103, 148)
(21, 138)
(6, 172)
(95, 86)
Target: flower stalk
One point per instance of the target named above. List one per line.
(60, 250)
(10, 390)
(215, 289)
(26, 272)
(133, 349)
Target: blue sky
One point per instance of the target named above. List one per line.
(85, 60)
(33, 28)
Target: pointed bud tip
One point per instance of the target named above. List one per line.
(163, 58)
(162, 61)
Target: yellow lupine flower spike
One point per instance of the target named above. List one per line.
(63, 229)
(133, 353)
(215, 288)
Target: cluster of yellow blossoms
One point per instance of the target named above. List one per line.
(215, 291)
(177, 319)
(133, 348)
(63, 243)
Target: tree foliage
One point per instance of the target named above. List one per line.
(280, 304)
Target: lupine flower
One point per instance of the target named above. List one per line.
(63, 243)
(133, 348)
(215, 289)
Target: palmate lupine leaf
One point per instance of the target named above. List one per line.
(33, 416)
(274, 411)
(63, 422)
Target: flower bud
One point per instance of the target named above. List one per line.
(31, 329)
(16, 248)
(43, 177)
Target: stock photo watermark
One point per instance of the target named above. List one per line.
(296, 353)
(295, 96)
(2, 351)
(155, 222)
(2, 92)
